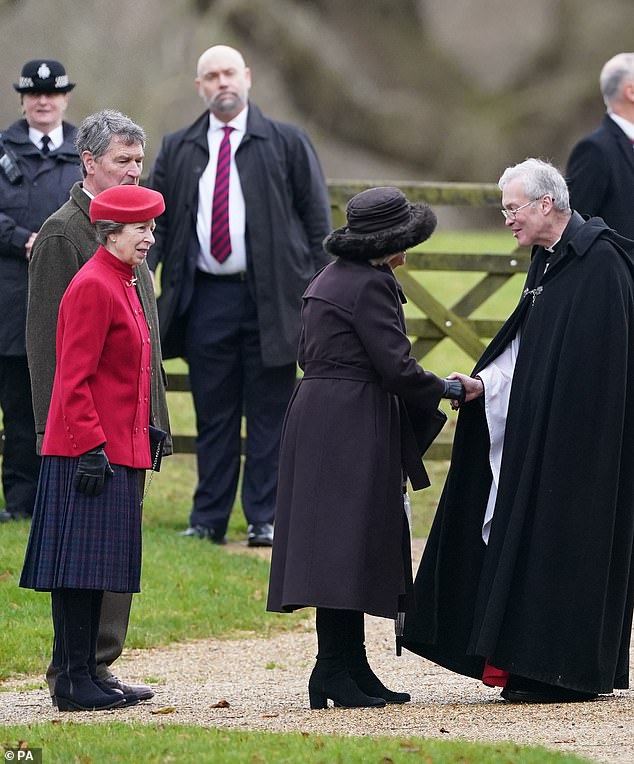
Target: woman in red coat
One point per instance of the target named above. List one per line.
(86, 531)
(341, 533)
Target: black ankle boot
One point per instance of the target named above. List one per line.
(358, 665)
(369, 682)
(330, 679)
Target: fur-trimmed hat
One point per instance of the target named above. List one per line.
(381, 222)
(43, 75)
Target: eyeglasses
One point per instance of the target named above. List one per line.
(512, 214)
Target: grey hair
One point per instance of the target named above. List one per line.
(539, 179)
(96, 132)
(614, 74)
(381, 260)
(103, 228)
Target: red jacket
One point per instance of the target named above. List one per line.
(101, 392)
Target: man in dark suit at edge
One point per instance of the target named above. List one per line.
(247, 210)
(600, 171)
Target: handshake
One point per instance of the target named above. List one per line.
(460, 388)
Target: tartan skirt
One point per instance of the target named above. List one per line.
(84, 542)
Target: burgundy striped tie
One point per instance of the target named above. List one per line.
(220, 238)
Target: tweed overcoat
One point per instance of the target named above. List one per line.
(65, 243)
(340, 527)
(24, 206)
(600, 175)
(287, 218)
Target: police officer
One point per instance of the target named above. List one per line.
(38, 165)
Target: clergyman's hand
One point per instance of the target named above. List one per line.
(473, 386)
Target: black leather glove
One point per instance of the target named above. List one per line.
(92, 471)
(454, 390)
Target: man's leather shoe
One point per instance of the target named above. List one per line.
(140, 691)
(260, 534)
(521, 690)
(7, 515)
(201, 532)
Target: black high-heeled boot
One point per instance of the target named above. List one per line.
(330, 678)
(360, 669)
(74, 688)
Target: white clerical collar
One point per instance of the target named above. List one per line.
(238, 123)
(551, 249)
(624, 124)
(56, 137)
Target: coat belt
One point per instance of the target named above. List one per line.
(335, 370)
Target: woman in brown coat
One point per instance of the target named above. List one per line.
(341, 533)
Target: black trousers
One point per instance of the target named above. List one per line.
(20, 462)
(228, 379)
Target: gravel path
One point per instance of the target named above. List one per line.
(264, 683)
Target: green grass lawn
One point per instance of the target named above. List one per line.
(212, 593)
(173, 744)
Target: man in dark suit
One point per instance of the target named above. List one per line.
(600, 171)
(246, 212)
(38, 166)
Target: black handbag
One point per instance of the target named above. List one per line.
(157, 438)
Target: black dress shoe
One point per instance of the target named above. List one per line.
(201, 532)
(521, 690)
(139, 691)
(260, 534)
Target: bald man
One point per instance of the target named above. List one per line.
(600, 171)
(247, 211)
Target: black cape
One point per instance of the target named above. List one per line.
(551, 596)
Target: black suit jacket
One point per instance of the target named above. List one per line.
(287, 218)
(600, 176)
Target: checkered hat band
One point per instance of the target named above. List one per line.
(60, 82)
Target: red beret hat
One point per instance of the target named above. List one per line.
(127, 204)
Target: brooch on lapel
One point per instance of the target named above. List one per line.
(533, 292)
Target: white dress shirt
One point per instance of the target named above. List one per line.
(237, 260)
(56, 137)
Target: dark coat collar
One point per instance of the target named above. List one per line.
(18, 133)
(578, 235)
(256, 127)
(622, 141)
